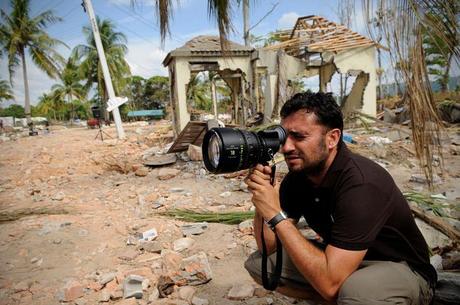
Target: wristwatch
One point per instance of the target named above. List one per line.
(282, 215)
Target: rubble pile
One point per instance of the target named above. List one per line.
(82, 219)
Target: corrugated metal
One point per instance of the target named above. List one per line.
(153, 113)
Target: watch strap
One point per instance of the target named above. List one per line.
(277, 219)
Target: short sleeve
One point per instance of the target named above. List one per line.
(288, 198)
(360, 213)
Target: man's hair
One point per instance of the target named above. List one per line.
(323, 105)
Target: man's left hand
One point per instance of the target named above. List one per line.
(264, 195)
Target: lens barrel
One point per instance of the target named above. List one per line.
(228, 150)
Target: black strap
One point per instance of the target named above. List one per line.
(270, 283)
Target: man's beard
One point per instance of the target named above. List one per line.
(316, 166)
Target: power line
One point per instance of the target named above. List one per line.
(145, 21)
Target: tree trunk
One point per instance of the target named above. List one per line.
(26, 87)
(445, 76)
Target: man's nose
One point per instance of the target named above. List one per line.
(288, 146)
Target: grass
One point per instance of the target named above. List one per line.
(436, 205)
(225, 218)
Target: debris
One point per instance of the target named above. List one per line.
(199, 301)
(225, 194)
(194, 153)
(241, 292)
(165, 286)
(108, 277)
(72, 291)
(167, 173)
(182, 244)
(141, 172)
(59, 196)
(194, 270)
(186, 293)
(436, 261)
(128, 255)
(132, 287)
(160, 160)
(149, 235)
(150, 246)
(194, 228)
(447, 288)
(420, 178)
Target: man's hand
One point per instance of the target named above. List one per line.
(264, 196)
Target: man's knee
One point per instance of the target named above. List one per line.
(379, 283)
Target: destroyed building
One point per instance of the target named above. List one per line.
(259, 79)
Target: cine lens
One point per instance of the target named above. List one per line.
(214, 150)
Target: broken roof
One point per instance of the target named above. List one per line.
(317, 34)
(207, 46)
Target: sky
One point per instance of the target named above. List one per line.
(140, 26)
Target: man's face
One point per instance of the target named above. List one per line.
(305, 148)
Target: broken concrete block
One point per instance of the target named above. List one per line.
(199, 301)
(132, 287)
(150, 246)
(241, 292)
(141, 172)
(194, 228)
(129, 255)
(433, 237)
(436, 261)
(186, 293)
(167, 173)
(182, 244)
(154, 295)
(105, 296)
(105, 278)
(194, 153)
(149, 235)
(171, 260)
(194, 270)
(72, 291)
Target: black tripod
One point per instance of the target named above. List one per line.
(101, 132)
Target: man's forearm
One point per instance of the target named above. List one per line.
(323, 269)
(268, 234)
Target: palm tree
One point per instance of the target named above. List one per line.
(115, 49)
(5, 91)
(20, 32)
(47, 106)
(70, 86)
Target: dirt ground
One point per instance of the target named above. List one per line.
(66, 214)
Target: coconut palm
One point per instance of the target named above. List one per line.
(115, 49)
(5, 91)
(20, 33)
(47, 106)
(403, 23)
(70, 86)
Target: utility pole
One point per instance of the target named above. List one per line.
(246, 22)
(114, 101)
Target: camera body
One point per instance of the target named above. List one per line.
(227, 150)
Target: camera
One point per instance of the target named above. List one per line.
(227, 150)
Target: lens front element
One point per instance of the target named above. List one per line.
(214, 150)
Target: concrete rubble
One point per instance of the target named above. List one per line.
(82, 223)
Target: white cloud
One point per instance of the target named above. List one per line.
(130, 2)
(288, 20)
(145, 59)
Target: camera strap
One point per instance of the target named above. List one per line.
(270, 283)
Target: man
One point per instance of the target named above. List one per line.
(373, 252)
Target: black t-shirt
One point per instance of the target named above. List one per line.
(358, 206)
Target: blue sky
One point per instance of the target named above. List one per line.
(141, 29)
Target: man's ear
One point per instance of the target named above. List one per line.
(333, 138)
